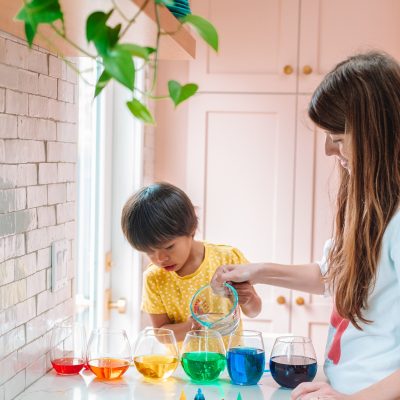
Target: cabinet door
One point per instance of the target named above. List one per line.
(315, 190)
(330, 31)
(257, 40)
(240, 170)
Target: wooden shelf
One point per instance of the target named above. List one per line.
(179, 46)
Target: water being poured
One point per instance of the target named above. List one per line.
(216, 311)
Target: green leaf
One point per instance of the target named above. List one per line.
(102, 82)
(95, 23)
(36, 12)
(165, 2)
(151, 50)
(119, 64)
(140, 111)
(103, 36)
(135, 50)
(113, 35)
(30, 32)
(179, 93)
(204, 28)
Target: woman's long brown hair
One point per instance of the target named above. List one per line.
(361, 97)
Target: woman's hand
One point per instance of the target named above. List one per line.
(234, 273)
(317, 391)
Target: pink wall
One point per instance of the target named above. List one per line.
(171, 131)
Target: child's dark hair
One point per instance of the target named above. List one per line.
(156, 214)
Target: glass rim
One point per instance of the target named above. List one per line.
(67, 323)
(108, 331)
(231, 311)
(203, 333)
(157, 331)
(292, 339)
(247, 333)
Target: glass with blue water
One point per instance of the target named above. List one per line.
(245, 357)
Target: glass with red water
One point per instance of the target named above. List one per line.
(293, 361)
(68, 346)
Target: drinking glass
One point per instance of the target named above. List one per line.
(293, 361)
(203, 355)
(108, 353)
(68, 345)
(246, 357)
(218, 311)
(156, 354)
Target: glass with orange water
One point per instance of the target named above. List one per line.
(156, 353)
(108, 353)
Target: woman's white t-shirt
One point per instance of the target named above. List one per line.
(355, 359)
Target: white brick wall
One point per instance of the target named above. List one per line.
(38, 135)
(149, 139)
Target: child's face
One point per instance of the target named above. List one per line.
(172, 255)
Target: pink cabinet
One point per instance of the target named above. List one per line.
(330, 31)
(257, 40)
(286, 46)
(240, 166)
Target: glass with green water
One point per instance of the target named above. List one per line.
(203, 355)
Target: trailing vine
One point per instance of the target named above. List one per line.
(118, 59)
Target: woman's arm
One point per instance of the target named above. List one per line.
(386, 389)
(304, 277)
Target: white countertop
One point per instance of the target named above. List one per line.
(86, 386)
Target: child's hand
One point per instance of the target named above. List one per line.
(245, 291)
(249, 300)
(195, 325)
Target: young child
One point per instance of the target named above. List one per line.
(160, 221)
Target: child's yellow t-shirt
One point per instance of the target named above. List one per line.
(168, 293)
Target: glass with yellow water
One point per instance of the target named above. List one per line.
(156, 354)
(109, 353)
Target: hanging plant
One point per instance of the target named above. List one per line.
(120, 60)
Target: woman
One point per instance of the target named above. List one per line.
(358, 106)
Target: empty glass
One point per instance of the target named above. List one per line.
(203, 355)
(68, 345)
(108, 353)
(156, 354)
(245, 357)
(293, 361)
(217, 311)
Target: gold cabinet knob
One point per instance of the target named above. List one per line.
(300, 301)
(120, 305)
(307, 70)
(288, 70)
(281, 300)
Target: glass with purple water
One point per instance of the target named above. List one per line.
(293, 361)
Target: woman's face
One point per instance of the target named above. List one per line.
(339, 145)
